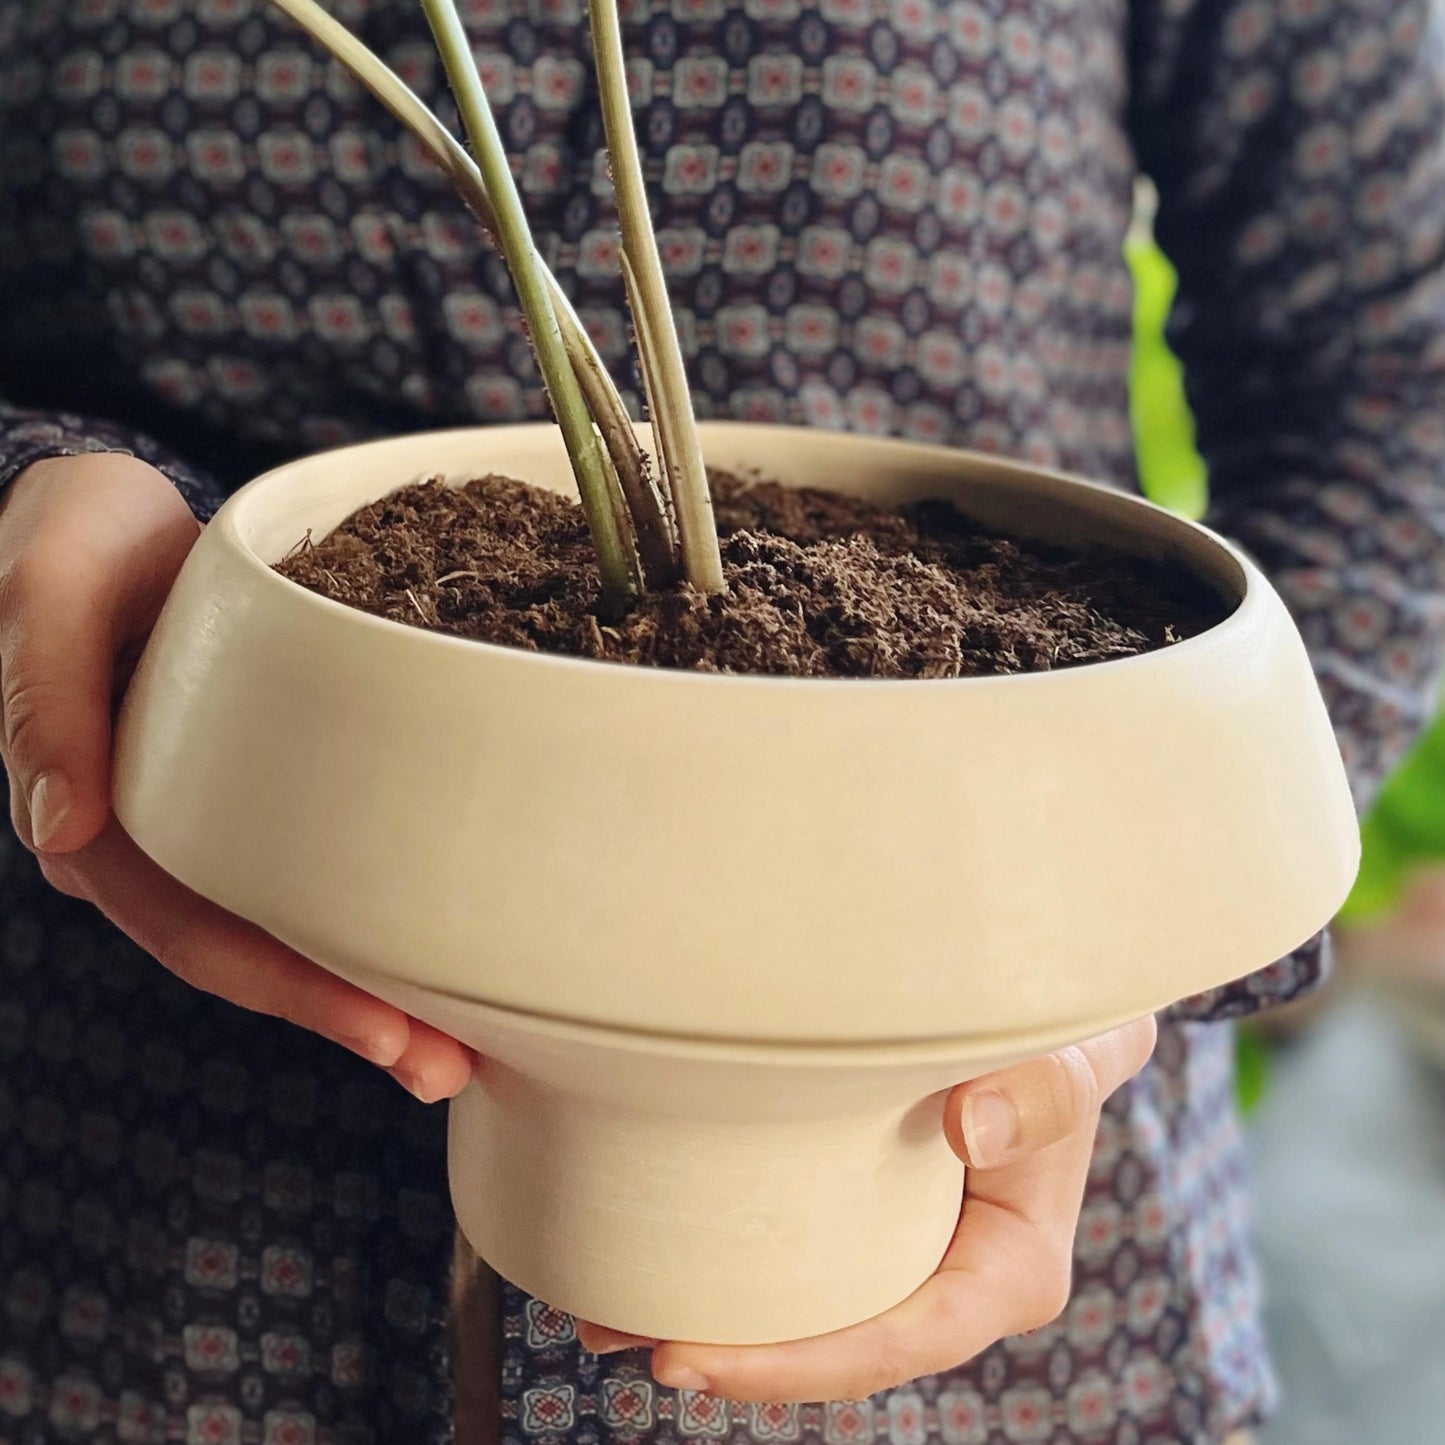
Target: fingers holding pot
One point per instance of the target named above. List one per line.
(1006, 1272)
(1005, 1116)
(88, 549)
(1027, 1133)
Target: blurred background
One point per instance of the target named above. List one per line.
(1343, 1095)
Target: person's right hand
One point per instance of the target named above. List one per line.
(89, 547)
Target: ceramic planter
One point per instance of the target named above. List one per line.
(723, 940)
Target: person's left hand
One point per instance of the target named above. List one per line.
(1026, 1134)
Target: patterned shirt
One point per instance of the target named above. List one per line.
(899, 216)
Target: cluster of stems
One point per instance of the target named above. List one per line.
(650, 528)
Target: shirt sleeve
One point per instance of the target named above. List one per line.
(1298, 147)
(33, 436)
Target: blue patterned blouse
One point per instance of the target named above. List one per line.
(899, 216)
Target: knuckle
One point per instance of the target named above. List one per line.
(1048, 1294)
(1142, 1037)
(170, 951)
(890, 1363)
(27, 702)
(1032, 1292)
(1120, 1054)
(1073, 1088)
(1056, 1297)
(203, 960)
(61, 874)
(954, 1325)
(37, 573)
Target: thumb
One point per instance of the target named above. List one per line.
(88, 550)
(55, 684)
(1000, 1118)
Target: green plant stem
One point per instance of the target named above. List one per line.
(616, 556)
(663, 374)
(499, 207)
(647, 511)
(603, 400)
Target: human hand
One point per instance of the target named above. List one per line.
(1027, 1135)
(89, 547)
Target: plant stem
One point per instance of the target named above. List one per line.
(648, 513)
(656, 533)
(656, 541)
(499, 207)
(615, 556)
(663, 374)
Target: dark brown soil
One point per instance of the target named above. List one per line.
(819, 585)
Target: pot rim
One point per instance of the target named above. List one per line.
(1246, 594)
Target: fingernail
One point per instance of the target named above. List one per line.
(411, 1081)
(990, 1124)
(679, 1377)
(50, 803)
(375, 1051)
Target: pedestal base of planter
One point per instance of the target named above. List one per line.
(733, 1231)
(694, 1189)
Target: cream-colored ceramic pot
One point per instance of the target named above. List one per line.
(723, 940)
